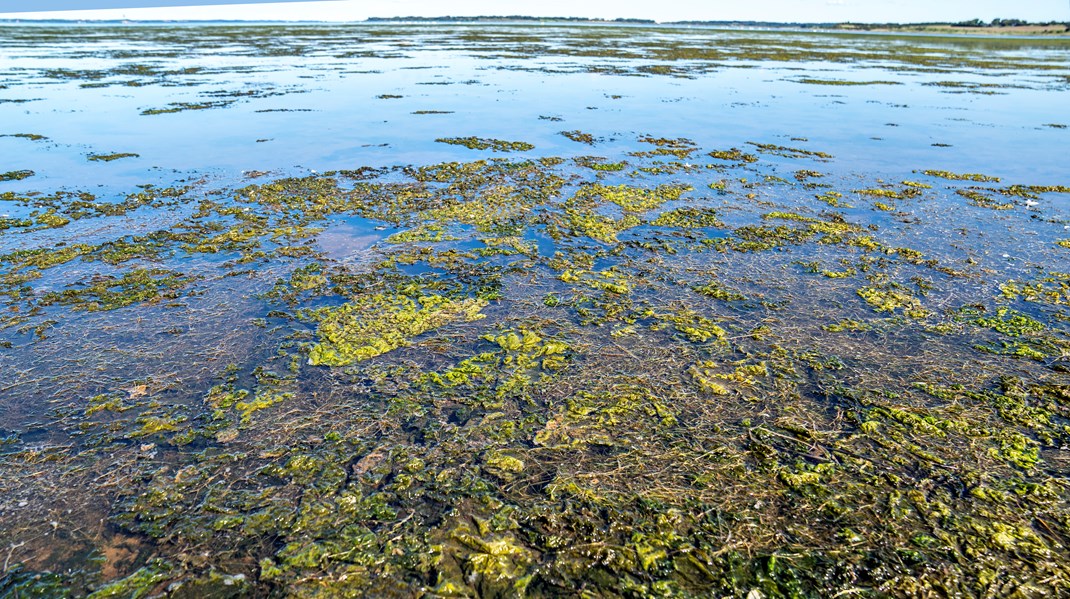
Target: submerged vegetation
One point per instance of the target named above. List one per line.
(376, 325)
(504, 417)
(110, 157)
(16, 175)
(670, 370)
(479, 143)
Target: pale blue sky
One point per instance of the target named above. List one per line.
(668, 10)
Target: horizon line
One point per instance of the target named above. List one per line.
(611, 21)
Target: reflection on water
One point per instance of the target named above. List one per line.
(347, 243)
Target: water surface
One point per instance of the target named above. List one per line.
(488, 310)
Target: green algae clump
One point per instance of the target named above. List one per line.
(112, 156)
(733, 155)
(688, 218)
(370, 326)
(890, 299)
(111, 293)
(16, 175)
(633, 199)
(580, 137)
(961, 176)
(480, 143)
(812, 81)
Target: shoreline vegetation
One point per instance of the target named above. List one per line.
(971, 27)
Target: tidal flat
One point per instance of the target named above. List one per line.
(535, 310)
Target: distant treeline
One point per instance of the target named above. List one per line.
(977, 23)
(507, 18)
(972, 23)
(1004, 23)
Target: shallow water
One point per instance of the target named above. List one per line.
(727, 322)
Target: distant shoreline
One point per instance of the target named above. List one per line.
(969, 28)
(1046, 29)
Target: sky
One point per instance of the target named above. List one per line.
(879, 11)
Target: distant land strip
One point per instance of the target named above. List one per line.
(974, 26)
(1010, 26)
(50, 5)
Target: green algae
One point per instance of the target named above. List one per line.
(733, 155)
(695, 327)
(789, 152)
(812, 81)
(111, 157)
(480, 143)
(1010, 322)
(139, 584)
(629, 198)
(759, 238)
(1053, 288)
(718, 290)
(756, 238)
(598, 164)
(597, 226)
(82, 205)
(16, 175)
(678, 148)
(49, 219)
(1031, 191)
(880, 193)
(608, 166)
(29, 136)
(688, 218)
(184, 106)
(815, 267)
(804, 174)
(423, 233)
(579, 137)
(981, 200)
(892, 298)
(971, 87)
(150, 285)
(847, 325)
(790, 216)
(505, 467)
(371, 326)
(834, 199)
(961, 176)
(587, 415)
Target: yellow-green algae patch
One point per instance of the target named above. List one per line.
(374, 325)
(688, 218)
(482, 143)
(16, 175)
(960, 176)
(111, 157)
(630, 198)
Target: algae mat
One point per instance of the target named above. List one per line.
(501, 310)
